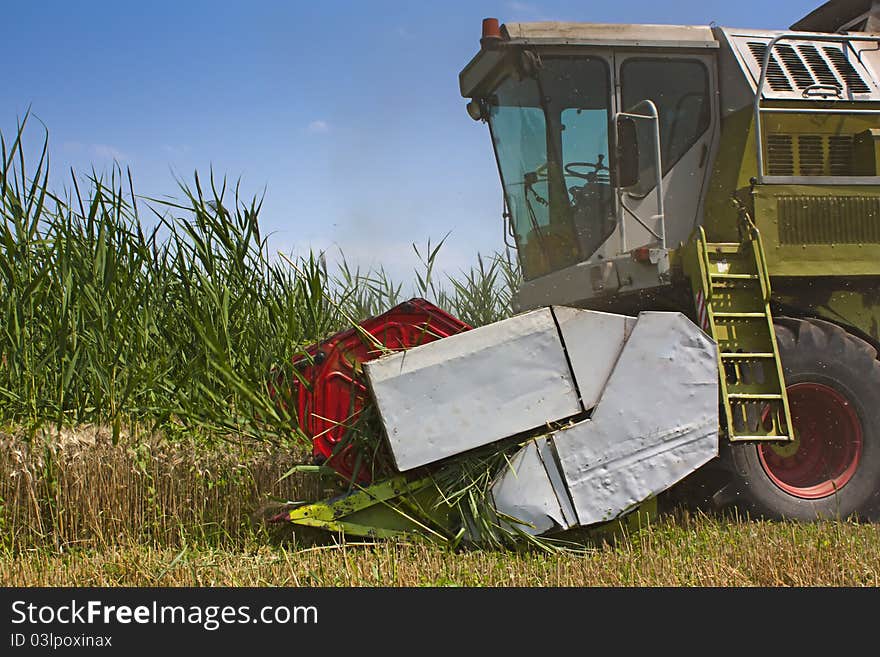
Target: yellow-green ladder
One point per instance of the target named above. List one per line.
(732, 296)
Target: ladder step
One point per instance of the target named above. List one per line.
(726, 315)
(734, 288)
(748, 396)
(748, 277)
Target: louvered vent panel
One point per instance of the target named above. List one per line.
(828, 219)
(821, 71)
(804, 68)
(796, 68)
(776, 78)
(780, 156)
(846, 71)
(811, 157)
(840, 150)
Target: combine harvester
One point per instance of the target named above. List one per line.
(658, 179)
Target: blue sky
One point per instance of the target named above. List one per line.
(347, 114)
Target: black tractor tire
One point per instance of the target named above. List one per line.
(833, 471)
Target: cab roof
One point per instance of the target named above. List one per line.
(608, 34)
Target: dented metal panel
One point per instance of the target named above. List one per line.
(656, 422)
(551, 463)
(653, 383)
(527, 491)
(471, 389)
(593, 341)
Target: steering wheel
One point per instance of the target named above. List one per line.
(590, 175)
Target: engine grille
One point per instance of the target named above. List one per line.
(828, 219)
(809, 155)
(806, 65)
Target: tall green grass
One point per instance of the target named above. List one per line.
(120, 310)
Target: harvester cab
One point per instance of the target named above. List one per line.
(696, 213)
(603, 135)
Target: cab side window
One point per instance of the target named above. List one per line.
(680, 90)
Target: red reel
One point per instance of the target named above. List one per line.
(336, 391)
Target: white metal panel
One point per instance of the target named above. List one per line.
(527, 492)
(551, 464)
(656, 422)
(471, 389)
(817, 65)
(645, 35)
(593, 341)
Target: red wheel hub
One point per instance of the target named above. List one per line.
(827, 447)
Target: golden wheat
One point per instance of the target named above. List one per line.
(684, 552)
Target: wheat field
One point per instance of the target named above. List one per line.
(88, 511)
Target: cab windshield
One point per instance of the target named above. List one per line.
(550, 134)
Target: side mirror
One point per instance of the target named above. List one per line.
(627, 152)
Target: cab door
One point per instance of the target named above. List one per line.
(684, 89)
